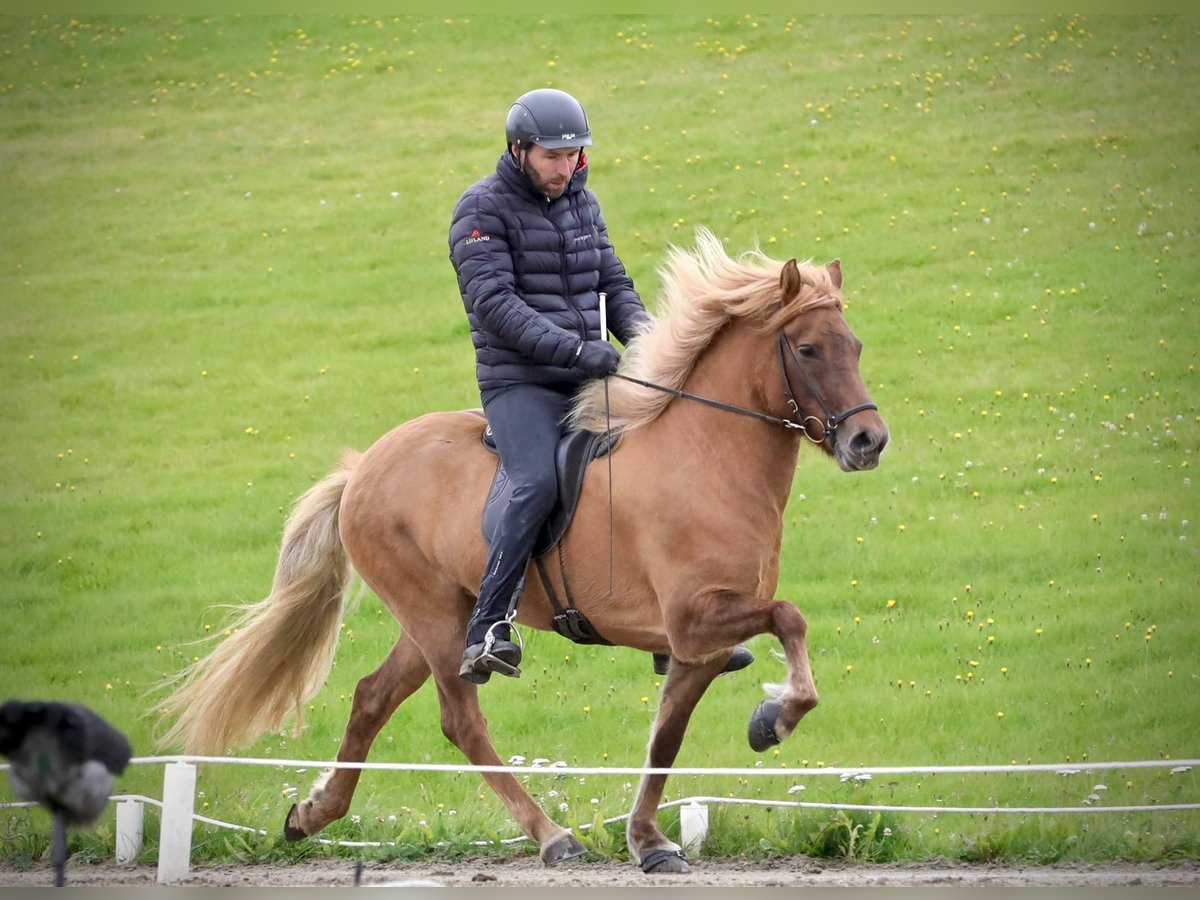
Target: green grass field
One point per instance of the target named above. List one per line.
(225, 261)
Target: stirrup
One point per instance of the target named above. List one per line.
(492, 654)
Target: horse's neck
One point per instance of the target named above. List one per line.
(756, 459)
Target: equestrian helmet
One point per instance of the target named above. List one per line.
(549, 118)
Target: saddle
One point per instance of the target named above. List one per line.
(574, 453)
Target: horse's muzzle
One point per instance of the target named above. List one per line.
(857, 449)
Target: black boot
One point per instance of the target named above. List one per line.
(492, 654)
(740, 658)
(490, 647)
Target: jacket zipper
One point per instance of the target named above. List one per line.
(566, 284)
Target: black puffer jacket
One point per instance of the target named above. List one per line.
(530, 271)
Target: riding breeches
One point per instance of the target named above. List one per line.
(527, 423)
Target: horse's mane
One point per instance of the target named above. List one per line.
(702, 290)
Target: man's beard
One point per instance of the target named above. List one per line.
(544, 187)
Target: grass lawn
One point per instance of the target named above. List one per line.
(225, 261)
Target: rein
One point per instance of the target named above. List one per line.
(799, 422)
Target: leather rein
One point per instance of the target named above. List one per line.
(797, 422)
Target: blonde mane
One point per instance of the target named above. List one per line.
(702, 290)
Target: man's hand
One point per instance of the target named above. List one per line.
(596, 358)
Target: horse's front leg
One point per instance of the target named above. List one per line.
(721, 619)
(684, 687)
(777, 716)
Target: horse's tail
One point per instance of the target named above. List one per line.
(278, 651)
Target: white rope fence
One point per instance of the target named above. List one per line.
(564, 769)
(179, 791)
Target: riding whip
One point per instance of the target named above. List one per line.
(607, 440)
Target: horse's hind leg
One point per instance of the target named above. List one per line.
(375, 699)
(464, 725)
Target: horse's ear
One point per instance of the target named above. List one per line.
(835, 273)
(789, 281)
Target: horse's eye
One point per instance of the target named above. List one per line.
(808, 351)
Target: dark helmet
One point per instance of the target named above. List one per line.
(549, 118)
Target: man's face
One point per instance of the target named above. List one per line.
(550, 170)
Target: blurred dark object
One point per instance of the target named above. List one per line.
(64, 757)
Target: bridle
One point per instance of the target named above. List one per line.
(797, 422)
(832, 421)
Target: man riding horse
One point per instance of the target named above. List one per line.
(533, 257)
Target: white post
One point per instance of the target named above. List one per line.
(130, 817)
(693, 826)
(175, 840)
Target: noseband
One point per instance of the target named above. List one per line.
(798, 421)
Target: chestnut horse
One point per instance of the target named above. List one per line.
(745, 360)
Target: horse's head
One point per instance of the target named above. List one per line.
(819, 354)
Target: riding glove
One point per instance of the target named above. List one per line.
(596, 358)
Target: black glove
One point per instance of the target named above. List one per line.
(596, 358)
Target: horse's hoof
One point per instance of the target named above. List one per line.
(762, 725)
(663, 861)
(291, 827)
(566, 847)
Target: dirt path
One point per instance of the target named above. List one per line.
(529, 872)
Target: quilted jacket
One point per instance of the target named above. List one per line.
(530, 271)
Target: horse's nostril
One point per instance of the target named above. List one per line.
(869, 441)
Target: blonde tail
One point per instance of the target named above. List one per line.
(279, 650)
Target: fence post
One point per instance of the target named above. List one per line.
(130, 817)
(175, 840)
(693, 826)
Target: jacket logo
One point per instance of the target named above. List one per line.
(476, 237)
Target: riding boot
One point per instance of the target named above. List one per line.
(741, 658)
(492, 654)
(490, 647)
